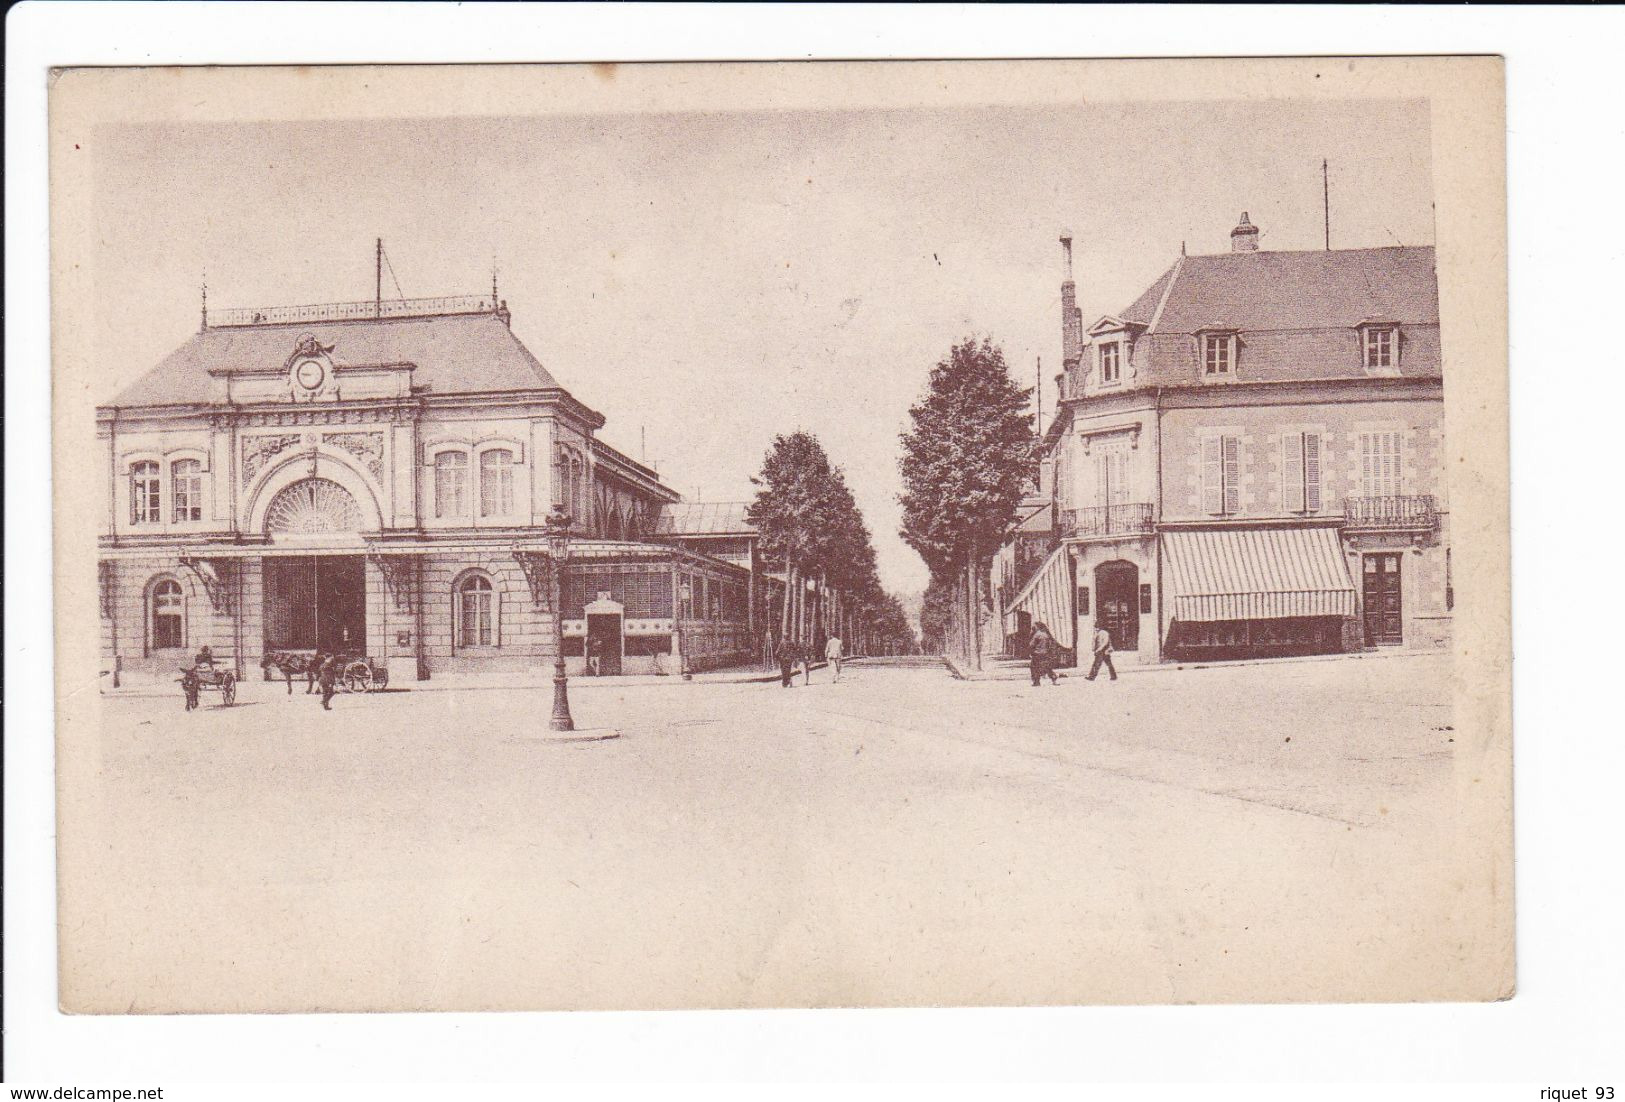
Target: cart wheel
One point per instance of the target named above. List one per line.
(357, 677)
(228, 690)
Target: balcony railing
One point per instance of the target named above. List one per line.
(345, 311)
(1128, 519)
(1395, 511)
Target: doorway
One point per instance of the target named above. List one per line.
(1117, 598)
(604, 643)
(1384, 619)
(316, 603)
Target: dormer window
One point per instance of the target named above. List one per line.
(1111, 365)
(1381, 347)
(1218, 355)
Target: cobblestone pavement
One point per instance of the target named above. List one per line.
(899, 837)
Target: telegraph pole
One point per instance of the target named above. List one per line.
(1326, 202)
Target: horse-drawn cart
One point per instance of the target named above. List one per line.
(195, 680)
(363, 675)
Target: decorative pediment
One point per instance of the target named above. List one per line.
(1111, 323)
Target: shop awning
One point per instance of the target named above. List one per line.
(1047, 598)
(1258, 574)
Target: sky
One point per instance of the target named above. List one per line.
(709, 280)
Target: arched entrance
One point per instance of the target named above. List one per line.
(1117, 600)
(314, 602)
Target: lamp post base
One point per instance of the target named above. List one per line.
(562, 720)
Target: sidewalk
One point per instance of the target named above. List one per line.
(1010, 669)
(536, 678)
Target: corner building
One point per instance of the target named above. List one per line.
(372, 479)
(1248, 460)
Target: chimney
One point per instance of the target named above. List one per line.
(1071, 317)
(1244, 238)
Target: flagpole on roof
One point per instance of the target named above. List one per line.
(378, 280)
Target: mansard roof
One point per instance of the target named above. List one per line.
(1258, 291)
(456, 353)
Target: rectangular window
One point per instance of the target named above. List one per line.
(450, 484)
(187, 479)
(1221, 475)
(496, 483)
(1380, 464)
(145, 494)
(1110, 367)
(1300, 472)
(1216, 355)
(1379, 347)
(1111, 474)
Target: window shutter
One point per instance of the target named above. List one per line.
(1212, 477)
(1367, 474)
(1393, 460)
(1232, 475)
(1311, 471)
(1103, 476)
(1292, 480)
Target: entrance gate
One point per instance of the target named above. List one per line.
(316, 603)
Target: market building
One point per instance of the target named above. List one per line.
(1248, 460)
(372, 479)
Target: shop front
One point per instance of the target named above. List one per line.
(1256, 593)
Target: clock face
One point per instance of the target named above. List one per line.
(309, 374)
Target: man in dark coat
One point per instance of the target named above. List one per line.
(1043, 649)
(327, 675)
(788, 655)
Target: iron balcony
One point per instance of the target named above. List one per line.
(1127, 519)
(1396, 512)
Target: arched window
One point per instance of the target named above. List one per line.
(145, 493)
(451, 484)
(166, 615)
(186, 481)
(496, 483)
(476, 612)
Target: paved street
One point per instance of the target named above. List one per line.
(901, 837)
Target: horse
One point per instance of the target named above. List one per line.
(291, 664)
(191, 686)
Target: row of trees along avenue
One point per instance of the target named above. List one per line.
(812, 531)
(967, 460)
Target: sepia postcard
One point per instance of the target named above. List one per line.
(809, 534)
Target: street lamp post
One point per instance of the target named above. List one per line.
(558, 549)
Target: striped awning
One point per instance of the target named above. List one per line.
(1047, 598)
(1258, 574)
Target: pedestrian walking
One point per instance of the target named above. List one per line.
(833, 654)
(787, 654)
(1042, 649)
(327, 675)
(1103, 654)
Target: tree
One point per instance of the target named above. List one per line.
(966, 463)
(936, 614)
(811, 529)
